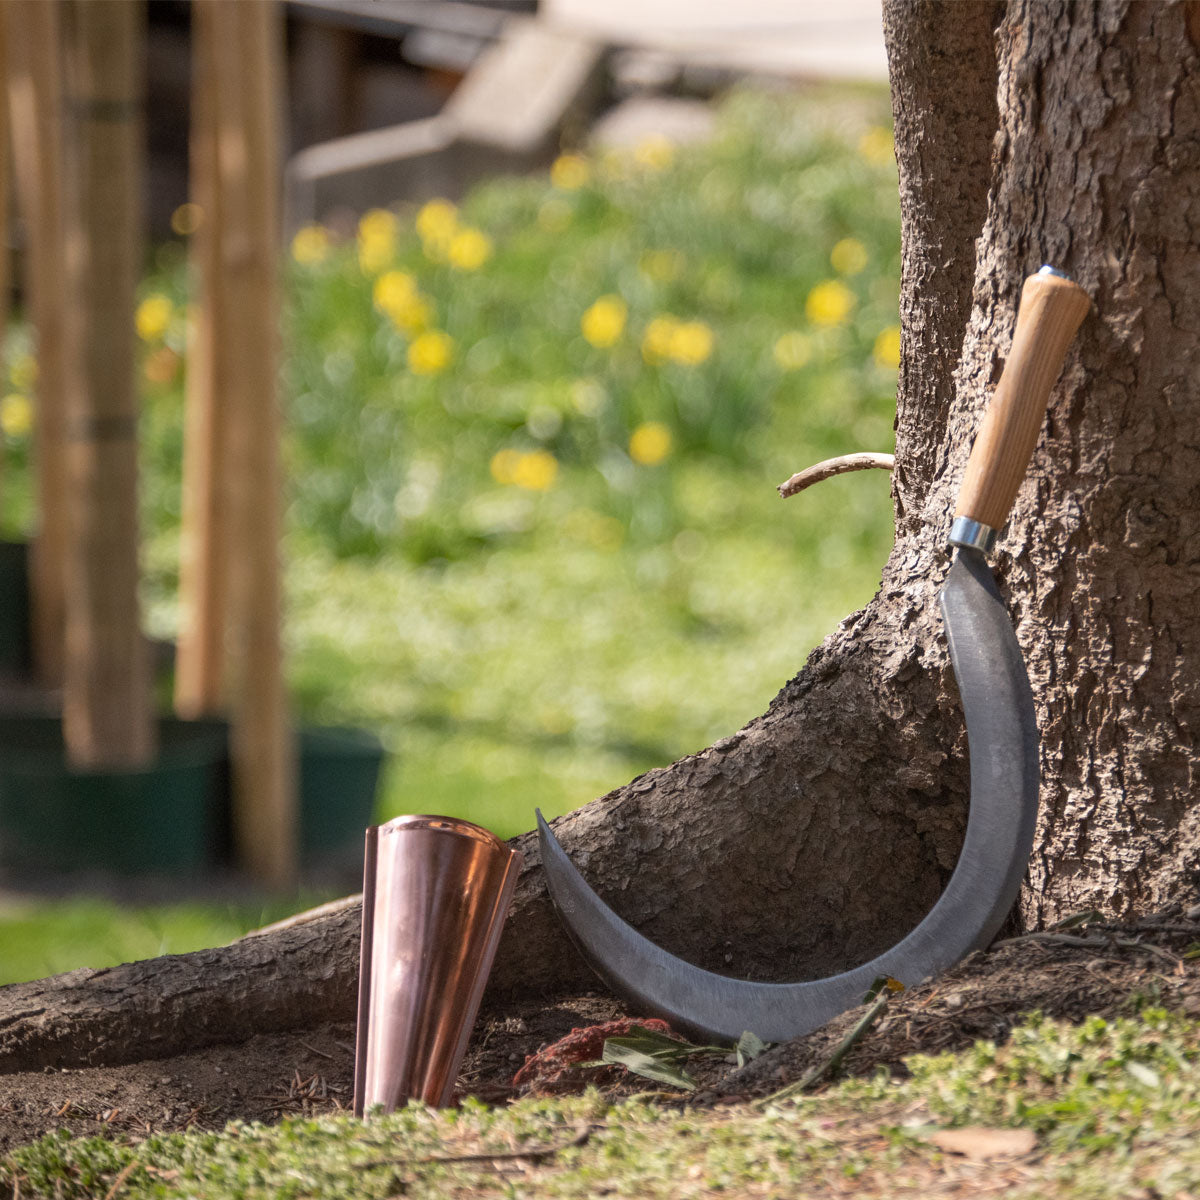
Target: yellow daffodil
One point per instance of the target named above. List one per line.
(650, 443)
(604, 322)
(430, 352)
(186, 219)
(469, 249)
(23, 372)
(691, 343)
(533, 470)
(876, 146)
(310, 245)
(656, 341)
(793, 350)
(887, 347)
(16, 415)
(153, 317)
(661, 266)
(392, 289)
(654, 152)
(536, 471)
(830, 303)
(849, 256)
(504, 465)
(570, 172)
(396, 295)
(377, 232)
(437, 223)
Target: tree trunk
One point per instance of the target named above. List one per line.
(822, 831)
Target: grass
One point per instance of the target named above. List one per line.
(532, 534)
(47, 937)
(1114, 1107)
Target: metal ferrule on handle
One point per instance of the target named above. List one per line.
(1052, 309)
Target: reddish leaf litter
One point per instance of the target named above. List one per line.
(556, 1068)
(1096, 968)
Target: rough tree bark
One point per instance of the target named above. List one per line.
(823, 830)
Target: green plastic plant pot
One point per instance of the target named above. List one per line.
(14, 608)
(151, 820)
(339, 775)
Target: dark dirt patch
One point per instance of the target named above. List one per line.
(1101, 970)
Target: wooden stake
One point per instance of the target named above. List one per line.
(5, 186)
(203, 574)
(246, 50)
(107, 715)
(34, 62)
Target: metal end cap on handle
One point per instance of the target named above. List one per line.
(975, 535)
(1047, 269)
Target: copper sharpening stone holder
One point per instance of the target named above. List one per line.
(436, 891)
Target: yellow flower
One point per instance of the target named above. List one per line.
(650, 443)
(535, 471)
(830, 303)
(570, 172)
(186, 219)
(504, 465)
(437, 223)
(16, 415)
(153, 316)
(469, 249)
(23, 372)
(691, 343)
(876, 146)
(430, 352)
(848, 257)
(654, 152)
(793, 350)
(658, 338)
(376, 240)
(662, 266)
(393, 289)
(395, 293)
(604, 321)
(887, 347)
(310, 245)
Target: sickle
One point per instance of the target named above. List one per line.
(1002, 739)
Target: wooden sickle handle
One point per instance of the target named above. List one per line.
(1052, 309)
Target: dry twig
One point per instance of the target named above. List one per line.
(834, 466)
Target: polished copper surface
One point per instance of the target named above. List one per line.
(436, 891)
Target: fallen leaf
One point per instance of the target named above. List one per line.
(976, 1141)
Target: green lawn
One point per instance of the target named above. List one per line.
(532, 444)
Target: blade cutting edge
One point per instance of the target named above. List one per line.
(1003, 744)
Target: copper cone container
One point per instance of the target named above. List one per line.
(436, 891)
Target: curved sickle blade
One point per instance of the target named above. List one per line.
(1003, 741)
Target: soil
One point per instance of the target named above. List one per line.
(1095, 969)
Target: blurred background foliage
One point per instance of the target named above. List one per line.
(533, 536)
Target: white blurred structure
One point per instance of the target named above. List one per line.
(814, 39)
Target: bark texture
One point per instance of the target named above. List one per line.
(821, 832)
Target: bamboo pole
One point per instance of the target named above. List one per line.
(246, 49)
(34, 66)
(203, 573)
(107, 716)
